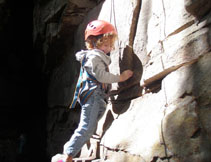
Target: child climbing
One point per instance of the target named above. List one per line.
(93, 84)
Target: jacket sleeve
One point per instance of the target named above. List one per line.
(97, 68)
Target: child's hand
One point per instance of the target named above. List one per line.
(125, 75)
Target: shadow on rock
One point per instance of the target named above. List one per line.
(131, 88)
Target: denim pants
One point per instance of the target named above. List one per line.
(91, 112)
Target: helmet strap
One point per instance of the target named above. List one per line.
(97, 37)
(94, 44)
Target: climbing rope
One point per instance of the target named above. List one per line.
(112, 14)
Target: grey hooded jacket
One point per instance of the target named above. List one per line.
(96, 64)
(94, 73)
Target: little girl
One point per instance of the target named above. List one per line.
(92, 85)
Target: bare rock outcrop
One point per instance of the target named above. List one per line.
(162, 113)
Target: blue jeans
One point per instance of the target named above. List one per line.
(91, 112)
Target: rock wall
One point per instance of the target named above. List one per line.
(162, 113)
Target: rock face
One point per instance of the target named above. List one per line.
(162, 113)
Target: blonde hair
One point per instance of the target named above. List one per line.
(97, 41)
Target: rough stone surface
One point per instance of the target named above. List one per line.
(162, 113)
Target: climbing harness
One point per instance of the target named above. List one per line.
(85, 86)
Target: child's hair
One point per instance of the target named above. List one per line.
(97, 41)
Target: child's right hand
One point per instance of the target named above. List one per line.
(125, 75)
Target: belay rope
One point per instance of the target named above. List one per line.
(112, 13)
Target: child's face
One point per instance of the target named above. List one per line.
(106, 47)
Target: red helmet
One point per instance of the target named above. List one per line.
(98, 27)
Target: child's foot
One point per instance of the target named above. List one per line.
(61, 158)
(68, 159)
